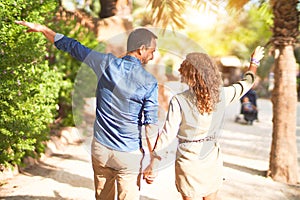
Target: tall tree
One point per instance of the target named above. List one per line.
(283, 156)
(108, 8)
(111, 8)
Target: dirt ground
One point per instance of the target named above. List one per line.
(68, 174)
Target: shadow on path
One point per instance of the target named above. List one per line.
(50, 171)
(29, 197)
(68, 157)
(146, 198)
(246, 169)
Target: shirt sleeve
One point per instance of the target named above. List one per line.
(151, 106)
(96, 60)
(58, 36)
(235, 91)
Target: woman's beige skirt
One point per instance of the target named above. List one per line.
(195, 176)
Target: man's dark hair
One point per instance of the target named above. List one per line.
(139, 37)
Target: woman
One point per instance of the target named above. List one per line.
(195, 115)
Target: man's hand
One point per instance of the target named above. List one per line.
(148, 174)
(48, 33)
(32, 26)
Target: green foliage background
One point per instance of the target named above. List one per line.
(29, 87)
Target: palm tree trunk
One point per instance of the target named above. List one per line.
(111, 8)
(283, 157)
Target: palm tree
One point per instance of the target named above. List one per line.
(283, 165)
(111, 8)
(283, 157)
(108, 8)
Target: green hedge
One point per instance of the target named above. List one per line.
(29, 87)
(37, 80)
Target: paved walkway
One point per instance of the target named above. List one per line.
(68, 174)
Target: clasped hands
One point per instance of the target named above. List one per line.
(149, 173)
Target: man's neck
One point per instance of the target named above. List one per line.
(134, 54)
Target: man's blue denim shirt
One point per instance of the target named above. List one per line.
(127, 95)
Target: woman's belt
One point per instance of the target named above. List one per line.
(207, 138)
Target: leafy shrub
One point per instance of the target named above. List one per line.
(29, 87)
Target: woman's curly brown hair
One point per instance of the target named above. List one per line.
(203, 77)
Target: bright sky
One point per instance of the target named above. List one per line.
(204, 17)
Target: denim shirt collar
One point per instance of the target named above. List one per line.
(132, 59)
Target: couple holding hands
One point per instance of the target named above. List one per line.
(127, 100)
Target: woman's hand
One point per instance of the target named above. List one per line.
(258, 54)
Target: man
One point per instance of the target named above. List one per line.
(126, 100)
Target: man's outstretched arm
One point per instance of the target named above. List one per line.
(69, 45)
(48, 33)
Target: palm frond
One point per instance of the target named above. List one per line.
(237, 4)
(209, 4)
(167, 12)
(170, 12)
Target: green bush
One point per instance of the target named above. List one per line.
(29, 87)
